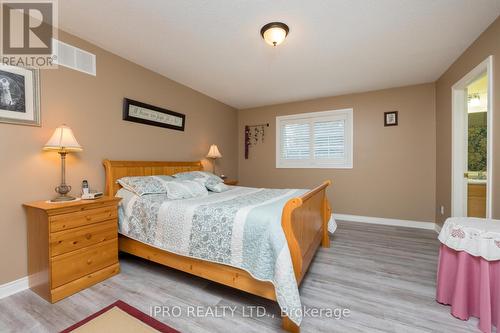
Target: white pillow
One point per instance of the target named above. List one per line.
(185, 189)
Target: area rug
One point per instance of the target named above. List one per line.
(119, 317)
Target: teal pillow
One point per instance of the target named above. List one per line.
(143, 185)
(216, 186)
(185, 189)
(201, 176)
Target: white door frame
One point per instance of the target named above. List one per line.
(459, 140)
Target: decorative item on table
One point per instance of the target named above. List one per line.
(213, 154)
(391, 118)
(63, 141)
(223, 176)
(143, 113)
(87, 194)
(254, 134)
(19, 96)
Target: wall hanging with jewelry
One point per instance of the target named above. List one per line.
(254, 134)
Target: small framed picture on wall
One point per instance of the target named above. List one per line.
(391, 118)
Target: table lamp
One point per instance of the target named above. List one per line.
(63, 141)
(213, 154)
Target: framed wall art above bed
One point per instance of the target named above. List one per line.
(147, 114)
(19, 95)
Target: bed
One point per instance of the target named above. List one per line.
(304, 216)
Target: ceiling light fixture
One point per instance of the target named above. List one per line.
(274, 33)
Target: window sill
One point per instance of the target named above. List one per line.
(314, 167)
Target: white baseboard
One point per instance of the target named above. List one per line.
(385, 221)
(13, 287)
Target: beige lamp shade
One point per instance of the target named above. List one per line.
(214, 152)
(63, 140)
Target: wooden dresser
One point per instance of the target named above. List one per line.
(71, 246)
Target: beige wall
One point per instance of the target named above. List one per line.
(399, 172)
(487, 44)
(92, 107)
(394, 167)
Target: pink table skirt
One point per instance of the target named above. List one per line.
(471, 285)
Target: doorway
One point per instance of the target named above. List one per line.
(471, 134)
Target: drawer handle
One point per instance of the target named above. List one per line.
(88, 236)
(89, 261)
(89, 218)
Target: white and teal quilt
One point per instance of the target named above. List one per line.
(240, 228)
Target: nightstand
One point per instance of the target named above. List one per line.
(230, 182)
(71, 245)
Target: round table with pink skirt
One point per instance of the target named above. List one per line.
(468, 277)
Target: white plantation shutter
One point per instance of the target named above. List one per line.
(315, 140)
(296, 141)
(329, 139)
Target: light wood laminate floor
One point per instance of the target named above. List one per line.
(384, 275)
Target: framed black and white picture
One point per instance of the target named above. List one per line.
(19, 95)
(391, 118)
(143, 113)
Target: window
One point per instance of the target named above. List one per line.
(315, 140)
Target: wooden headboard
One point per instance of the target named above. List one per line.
(118, 169)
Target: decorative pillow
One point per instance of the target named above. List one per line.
(145, 184)
(198, 175)
(216, 186)
(164, 178)
(185, 189)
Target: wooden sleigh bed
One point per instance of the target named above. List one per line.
(304, 221)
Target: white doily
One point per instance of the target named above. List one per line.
(476, 236)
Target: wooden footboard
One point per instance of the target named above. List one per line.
(305, 223)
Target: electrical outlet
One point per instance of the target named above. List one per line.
(442, 210)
